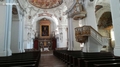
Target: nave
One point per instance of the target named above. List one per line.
(60, 58)
(49, 60)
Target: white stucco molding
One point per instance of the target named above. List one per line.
(52, 18)
(72, 6)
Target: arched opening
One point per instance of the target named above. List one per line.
(52, 22)
(105, 28)
(45, 25)
(45, 28)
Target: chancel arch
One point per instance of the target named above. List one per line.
(53, 22)
(45, 28)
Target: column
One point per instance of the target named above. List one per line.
(5, 28)
(115, 10)
(3, 24)
(64, 36)
(75, 24)
(70, 34)
(14, 46)
(90, 19)
(8, 27)
(22, 34)
(25, 32)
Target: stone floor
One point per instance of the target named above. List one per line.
(49, 60)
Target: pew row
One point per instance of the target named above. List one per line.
(80, 59)
(26, 59)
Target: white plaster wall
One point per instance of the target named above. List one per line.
(92, 45)
(2, 30)
(76, 44)
(62, 38)
(53, 27)
(15, 36)
(115, 9)
(65, 37)
(25, 34)
(90, 19)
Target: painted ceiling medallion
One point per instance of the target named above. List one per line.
(46, 4)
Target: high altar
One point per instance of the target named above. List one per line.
(45, 40)
(45, 44)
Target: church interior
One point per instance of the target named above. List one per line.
(59, 33)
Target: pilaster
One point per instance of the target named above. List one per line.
(70, 33)
(115, 10)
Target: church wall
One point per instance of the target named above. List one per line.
(92, 45)
(62, 37)
(2, 29)
(90, 18)
(115, 9)
(60, 41)
(53, 27)
(15, 36)
(76, 44)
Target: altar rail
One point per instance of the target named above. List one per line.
(83, 32)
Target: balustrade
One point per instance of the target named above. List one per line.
(82, 33)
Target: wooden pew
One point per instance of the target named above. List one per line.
(77, 58)
(68, 56)
(90, 63)
(81, 61)
(108, 65)
(20, 64)
(65, 56)
(27, 59)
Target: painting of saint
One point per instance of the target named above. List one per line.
(45, 30)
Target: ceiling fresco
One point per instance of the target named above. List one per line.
(46, 4)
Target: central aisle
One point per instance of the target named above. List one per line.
(49, 60)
